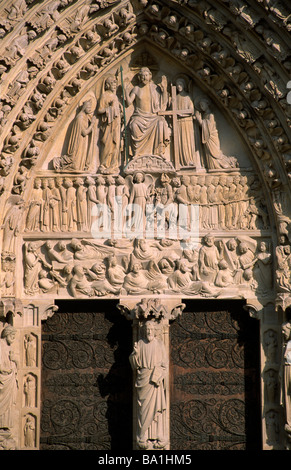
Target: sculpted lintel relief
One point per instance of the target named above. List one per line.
(211, 268)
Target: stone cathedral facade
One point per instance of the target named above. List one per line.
(145, 224)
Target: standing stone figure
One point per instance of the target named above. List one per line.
(150, 360)
(110, 110)
(286, 375)
(80, 141)
(215, 159)
(8, 382)
(149, 131)
(186, 136)
(11, 225)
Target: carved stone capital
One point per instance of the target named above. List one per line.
(254, 308)
(283, 301)
(11, 306)
(153, 308)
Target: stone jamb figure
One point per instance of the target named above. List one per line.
(8, 380)
(285, 376)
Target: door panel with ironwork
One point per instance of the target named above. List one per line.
(86, 378)
(215, 378)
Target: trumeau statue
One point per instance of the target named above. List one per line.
(150, 361)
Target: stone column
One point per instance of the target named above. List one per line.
(270, 359)
(150, 363)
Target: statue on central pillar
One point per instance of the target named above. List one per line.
(150, 361)
(149, 130)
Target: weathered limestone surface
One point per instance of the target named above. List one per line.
(144, 154)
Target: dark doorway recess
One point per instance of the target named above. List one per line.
(215, 378)
(86, 378)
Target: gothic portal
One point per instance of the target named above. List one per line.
(145, 217)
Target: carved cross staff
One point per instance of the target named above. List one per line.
(124, 115)
(174, 113)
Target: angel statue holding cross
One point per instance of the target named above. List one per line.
(149, 130)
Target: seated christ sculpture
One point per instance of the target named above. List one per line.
(148, 130)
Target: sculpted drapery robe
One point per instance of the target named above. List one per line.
(215, 159)
(186, 140)
(79, 146)
(149, 131)
(8, 385)
(150, 362)
(110, 126)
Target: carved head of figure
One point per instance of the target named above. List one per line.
(78, 270)
(76, 245)
(61, 245)
(138, 177)
(87, 106)
(209, 240)
(286, 330)
(37, 183)
(185, 180)
(68, 183)
(262, 247)
(243, 248)
(145, 75)
(110, 83)
(8, 333)
(59, 182)
(231, 244)
(100, 181)
(136, 268)
(150, 330)
(49, 244)
(89, 181)
(180, 84)
(51, 183)
(204, 105)
(182, 266)
(120, 180)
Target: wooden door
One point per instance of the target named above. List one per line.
(86, 378)
(215, 379)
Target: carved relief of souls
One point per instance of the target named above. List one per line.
(150, 361)
(148, 266)
(8, 377)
